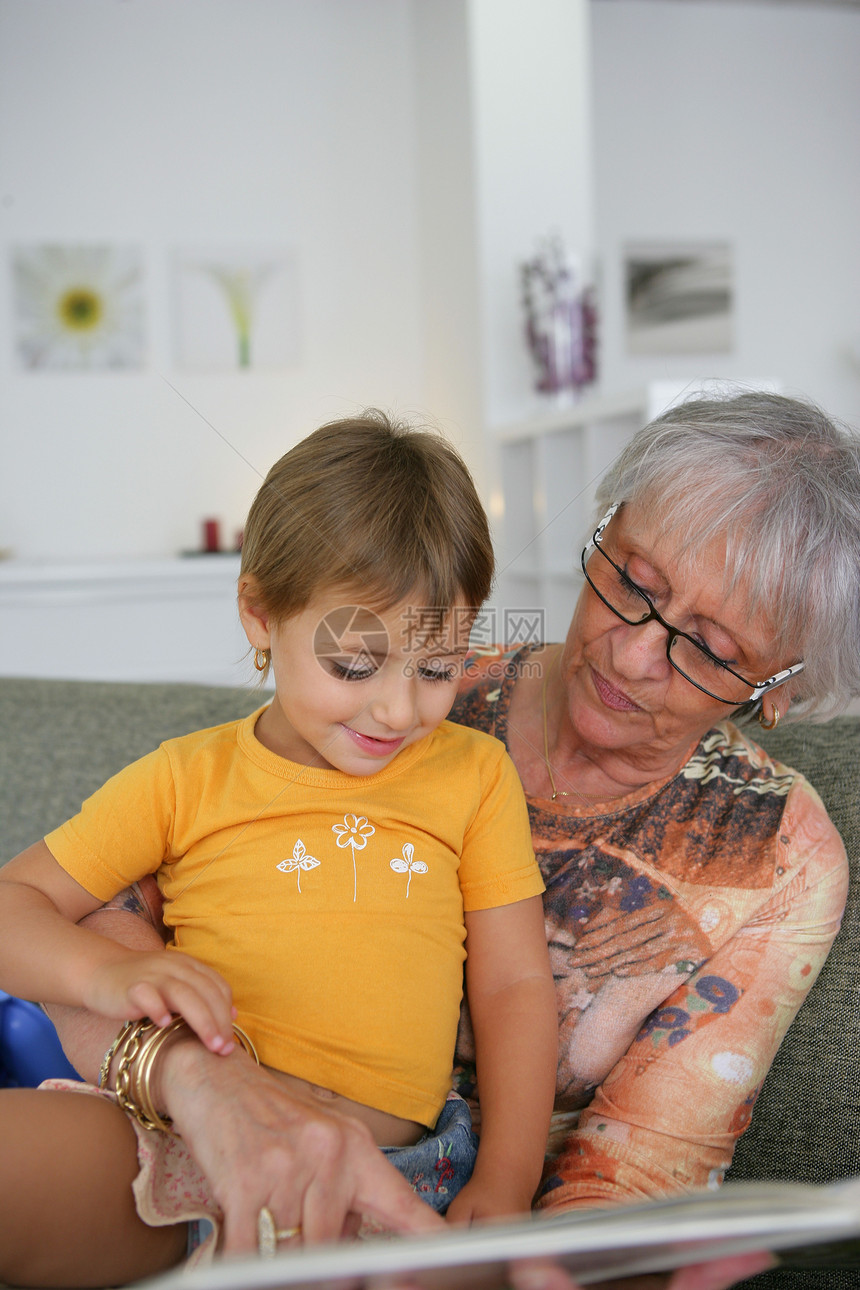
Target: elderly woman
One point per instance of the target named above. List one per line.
(694, 886)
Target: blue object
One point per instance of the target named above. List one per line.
(30, 1050)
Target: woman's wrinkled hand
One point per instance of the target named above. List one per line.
(259, 1144)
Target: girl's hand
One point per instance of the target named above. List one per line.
(161, 984)
(494, 1198)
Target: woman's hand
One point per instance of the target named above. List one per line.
(159, 984)
(258, 1144)
(536, 1274)
(543, 1274)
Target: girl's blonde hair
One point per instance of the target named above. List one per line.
(373, 504)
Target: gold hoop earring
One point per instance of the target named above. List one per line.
(261, 659)
(774, 721)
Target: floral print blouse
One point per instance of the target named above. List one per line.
(686, 924)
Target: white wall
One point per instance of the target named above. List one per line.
(741, 122)
(447, 223)
(503, 146)
(532, 141)
(202, 122)
(412, 152)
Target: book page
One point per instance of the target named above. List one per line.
(594, 1245)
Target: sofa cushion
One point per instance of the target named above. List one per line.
(806, 1125)
(59, 740)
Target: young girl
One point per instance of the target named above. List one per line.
(328, 863)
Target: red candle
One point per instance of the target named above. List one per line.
(211, 536)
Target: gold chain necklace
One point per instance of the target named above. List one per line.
(556, 792)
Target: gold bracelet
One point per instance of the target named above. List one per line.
(142, 1075)
(139, 1043)
(104, 1069)
(246, 1042)
(129, 1053)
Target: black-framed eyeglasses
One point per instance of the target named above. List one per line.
(693, 660)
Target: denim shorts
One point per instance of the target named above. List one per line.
(198, 1231)
(440, 1162)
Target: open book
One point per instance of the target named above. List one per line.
(594, 1245)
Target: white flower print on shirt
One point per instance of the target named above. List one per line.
(298, 861)
(408, 865)
(353, 833)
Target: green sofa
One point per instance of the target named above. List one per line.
(60, 739)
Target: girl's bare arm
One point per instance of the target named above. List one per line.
(512, 1005)
(46, 955)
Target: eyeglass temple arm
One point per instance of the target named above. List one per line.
(598, 532)
(775, 680)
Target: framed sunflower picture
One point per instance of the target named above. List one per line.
(78, 307)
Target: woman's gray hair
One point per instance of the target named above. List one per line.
(779, 482)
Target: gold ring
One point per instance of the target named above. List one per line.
(269, 1234)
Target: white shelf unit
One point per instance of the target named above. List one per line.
(131, 620)
(546, 472)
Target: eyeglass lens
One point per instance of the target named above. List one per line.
(623, 598)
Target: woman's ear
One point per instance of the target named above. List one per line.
(252, 615)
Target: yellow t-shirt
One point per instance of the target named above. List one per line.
(333, 904)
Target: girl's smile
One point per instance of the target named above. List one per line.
(375, 746)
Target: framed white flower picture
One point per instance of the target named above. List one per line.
(78, 307)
